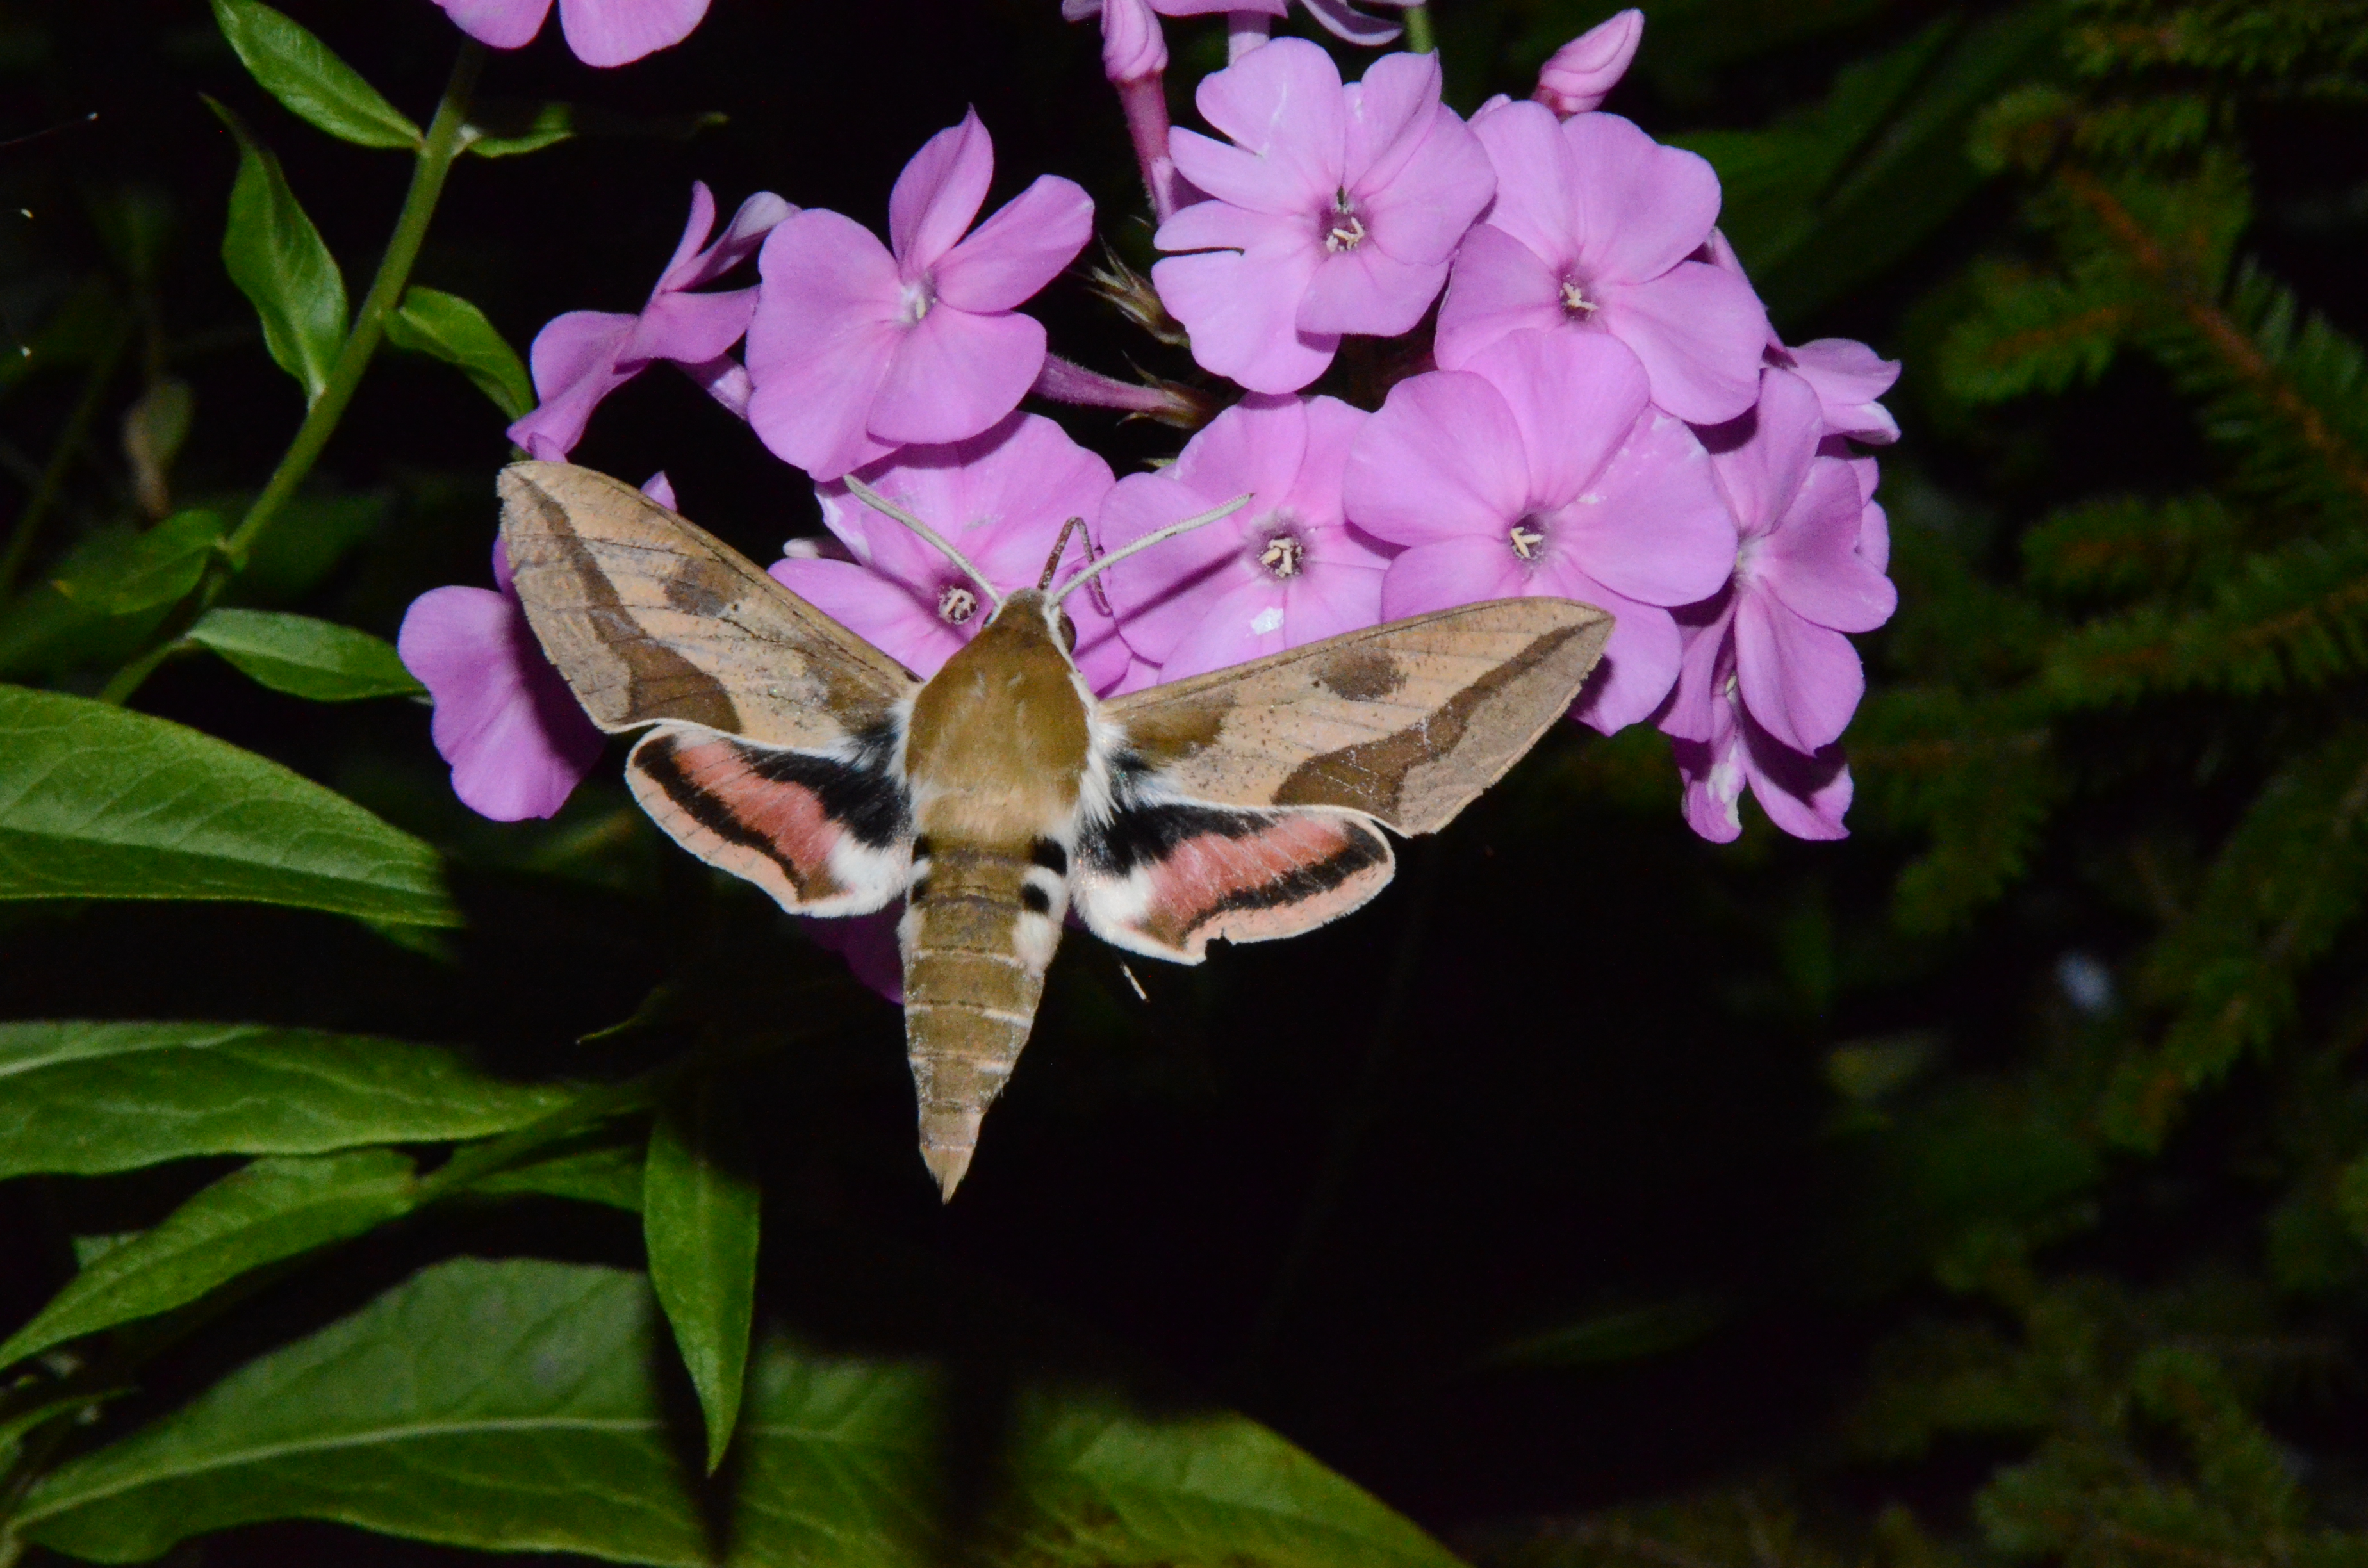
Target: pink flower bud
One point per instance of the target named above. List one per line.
(1133, 48)
(1584, 70)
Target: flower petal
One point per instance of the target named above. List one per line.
(757, 217)
(1764, 471)
(1442, 459)
(1653, 524)
(694, 235)
(882, 612)
(954, 373)
(820, 343)
(1021, 248)
(1284, 104)
(498, 24)
(1640, 661)
(1574, 396)
(1244, 178)
(1812, 563)
(575, 360)
(1582, 73)
(1804, 796)
(1386, 117)
(1498, 285)
(867, 944)
(1456, 570)
(1698, 331)
(1431, 199)
(691, 329)
(1370, 291)
(1706, 639)
(1801, 681)
(1242, 309)
(938, 193)
(1645, 207)
(615, 32)
(1848, 377)
(1537, 183)
(518, 743)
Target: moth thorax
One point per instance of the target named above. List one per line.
(957, 603)
(1344, 225)
(1576, 301)
(1283, 555)
(1527, 535)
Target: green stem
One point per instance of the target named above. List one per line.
(444, 143)
(1418, 36)
(53, 478)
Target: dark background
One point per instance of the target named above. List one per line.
(1527, 1191)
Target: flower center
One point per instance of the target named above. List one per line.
(956, 604)
(1283, 555)
(919, 295)
(1575, 301)
(1348, 226)
(1525, 539)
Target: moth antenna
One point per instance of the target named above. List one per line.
(1147, 540)
(1060, 548)
(879, 502)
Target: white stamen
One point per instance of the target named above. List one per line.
(1346, 234)
(1283, 555)
(1575, 300)
(1526, 541)
(956, 604)
(918, 297)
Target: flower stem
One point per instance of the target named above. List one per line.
(1418, 36)
(433, 161)
(70, 440)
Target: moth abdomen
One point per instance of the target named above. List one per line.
(980, 926)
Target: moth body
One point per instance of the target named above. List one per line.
(996, 753)
(1242, 806)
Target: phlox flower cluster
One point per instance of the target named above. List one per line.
(1579, 396)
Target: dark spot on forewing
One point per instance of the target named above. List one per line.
(699, 587)
(1360, 674)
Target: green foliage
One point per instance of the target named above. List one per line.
(450, 328)
(307, 78)
(699, 1221)
(129, 574)
(97, 803)
(90, 1098)
(512, 1404)
(307, 657)
(271, 1209)
(276, 259)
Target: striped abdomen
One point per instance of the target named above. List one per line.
(980, 925)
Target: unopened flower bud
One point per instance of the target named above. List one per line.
(1583, 72)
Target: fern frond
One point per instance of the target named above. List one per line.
(2296, 616)
(2284, 886)
(2034, 332)
(1982, 786)
(2128, 545)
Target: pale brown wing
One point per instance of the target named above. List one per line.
(650, 619)
(1405, 722)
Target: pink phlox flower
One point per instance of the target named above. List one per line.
(860, 348)
(516, 741)
(601, 32)
(1337, 16)
(582, 357)
(1847, 375)
(1594, 230)
(1002, 498)
(1774, 639)
(1336, 209)
(1804, 796)
(1541, 468)
(1581, 73)
(1286, 569)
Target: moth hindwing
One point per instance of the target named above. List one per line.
(1245, 804)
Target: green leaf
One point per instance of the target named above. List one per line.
(99, 803)
(451, 329)
(504, 130)
(699, 1221)
(84, 1098)
(512, 1406)
(275, 255)
(269, 1210)
(304, 657)
(307, 76)
(611, 1176)
(143, 571)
